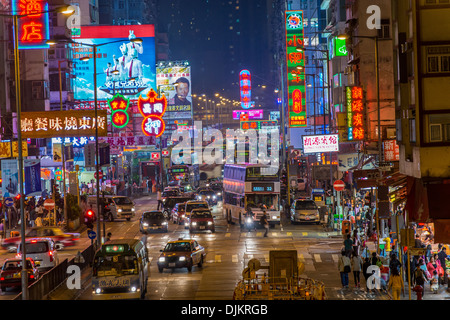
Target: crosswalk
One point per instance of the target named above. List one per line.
(258, 234)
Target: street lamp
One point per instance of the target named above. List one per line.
(97, 160)
(16, 17)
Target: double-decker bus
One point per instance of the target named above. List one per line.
(120, 270)
(253, 186)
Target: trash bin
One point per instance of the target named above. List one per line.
(346, 227)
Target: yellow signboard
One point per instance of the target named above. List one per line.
(73, 123)
(5, 149)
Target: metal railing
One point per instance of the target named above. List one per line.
(50, 280)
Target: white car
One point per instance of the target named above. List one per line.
(42, 251)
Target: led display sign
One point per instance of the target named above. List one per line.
(295, 68)
(263, 187)
(257, 114)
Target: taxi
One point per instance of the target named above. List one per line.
(181, 253)
(201, 220)
(11, 273)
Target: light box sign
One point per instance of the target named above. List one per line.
(73, 123)
(258, 124)
(152, 109)
(355, 116)
(33, 27)
(340, 48)
(257, 114)
(391, 150)
(123, 67)
(245, 87)
(119, 106)
(295, 69)
(321, 143)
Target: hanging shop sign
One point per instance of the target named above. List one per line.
(355, 113)
(73, 123)
(152, 109)
(321, 143)
(33, 25)
(119, 106)
(245, 86)
(391, 150)
(295, 65)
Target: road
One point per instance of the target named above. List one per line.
(228, 252)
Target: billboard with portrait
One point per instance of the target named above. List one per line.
(174, 82)
(123, 66)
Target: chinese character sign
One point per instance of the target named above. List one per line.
(119, 106)
(295, 68)
(245, 86)
(152, 109)
(33, 26)
(321, 143)
(355, 116)
(391, 150)
(73, 123)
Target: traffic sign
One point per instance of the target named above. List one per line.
(339, 185)
(9, 202)
(100, 174)
(91, 234)
(49, 204)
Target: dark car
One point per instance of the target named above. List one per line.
(170, 203)
(201, 220)
(218, 189)
(64, 239)
(181, 254)
(11, 273)
(191, 205)
(153, 221)
(208, 195)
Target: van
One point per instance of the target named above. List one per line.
(42, 251)
(304, 210)
(120, 207)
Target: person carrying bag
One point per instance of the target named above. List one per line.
(344, 266)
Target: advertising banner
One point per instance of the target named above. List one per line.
(32, 179)
(123, 67)
(5, 149)
(252, 114)
(174, 82)
(10, 178)
(295, 65)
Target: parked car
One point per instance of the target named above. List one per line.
(153, 221)
(304, 211)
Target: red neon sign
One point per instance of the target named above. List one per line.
(152, 109)
(357, 113)
(33, 25)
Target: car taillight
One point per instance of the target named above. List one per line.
(50, 253)
(75, 239)
(31, 276)
(18, 256)
(2, 279)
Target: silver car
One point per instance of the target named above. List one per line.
(303, 210)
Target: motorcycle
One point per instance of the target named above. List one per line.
(249, 223)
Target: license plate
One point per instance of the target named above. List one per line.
(202, 227)
(172, 264)
(307, 218)
(16, 275)
(154, 228)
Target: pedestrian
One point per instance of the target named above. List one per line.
(375, 260)
(159, 198)
(150, 185)
(418, 288)
(394, 265)
(108, 236)
(265, 223)
(2, 229)
(443, 257)
(348, 246)
(356, 242)
(356, 267)
(419, 278)
(396, 285)
(344, 266)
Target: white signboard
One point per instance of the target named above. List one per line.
(321, 143)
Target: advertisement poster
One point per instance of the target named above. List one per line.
(174, 82)
(10, 178)
(32, 179)
(123, 66)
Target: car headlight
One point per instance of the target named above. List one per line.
(133, 210)
(219, 194)
(164, 223)
(119, 210)
(182, 258)
(145, 224)
(162, 259)
(274, 217)
(182, 215)
(210, 223)
(98, 291)
(133, 289)
(214, 197)
(194, 223)
(199, 198)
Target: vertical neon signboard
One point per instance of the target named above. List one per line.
(33, 27)
(245, 86)
(152, 109)
(295, 65)
(355, 116)
(119, 106)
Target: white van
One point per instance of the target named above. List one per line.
(121, 207)
(42, 251)
(304, 210)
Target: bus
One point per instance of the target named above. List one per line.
(183, 175)
(120, 270)
(253, 186)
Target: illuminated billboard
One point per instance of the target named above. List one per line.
(340, 48)
(245, 88)
(295, 65)
(257, 114)
(33, 25)
(321, 143)
(174, 82)
(355, 113)
(123, 67)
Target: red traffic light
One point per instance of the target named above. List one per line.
(90, 213)
(18, 196)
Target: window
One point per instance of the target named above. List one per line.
(439, 127)
(384, 31)
(438, 59)
(412, 130)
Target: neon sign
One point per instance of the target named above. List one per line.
(119, 106)
(295, 64)
(33, 26)
(152, 109)
(355, 109)
(245, 85)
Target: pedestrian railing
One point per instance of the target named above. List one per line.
(52, 279)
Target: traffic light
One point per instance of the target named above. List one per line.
(89, 218)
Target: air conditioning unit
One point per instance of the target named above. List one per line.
(435, 132)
